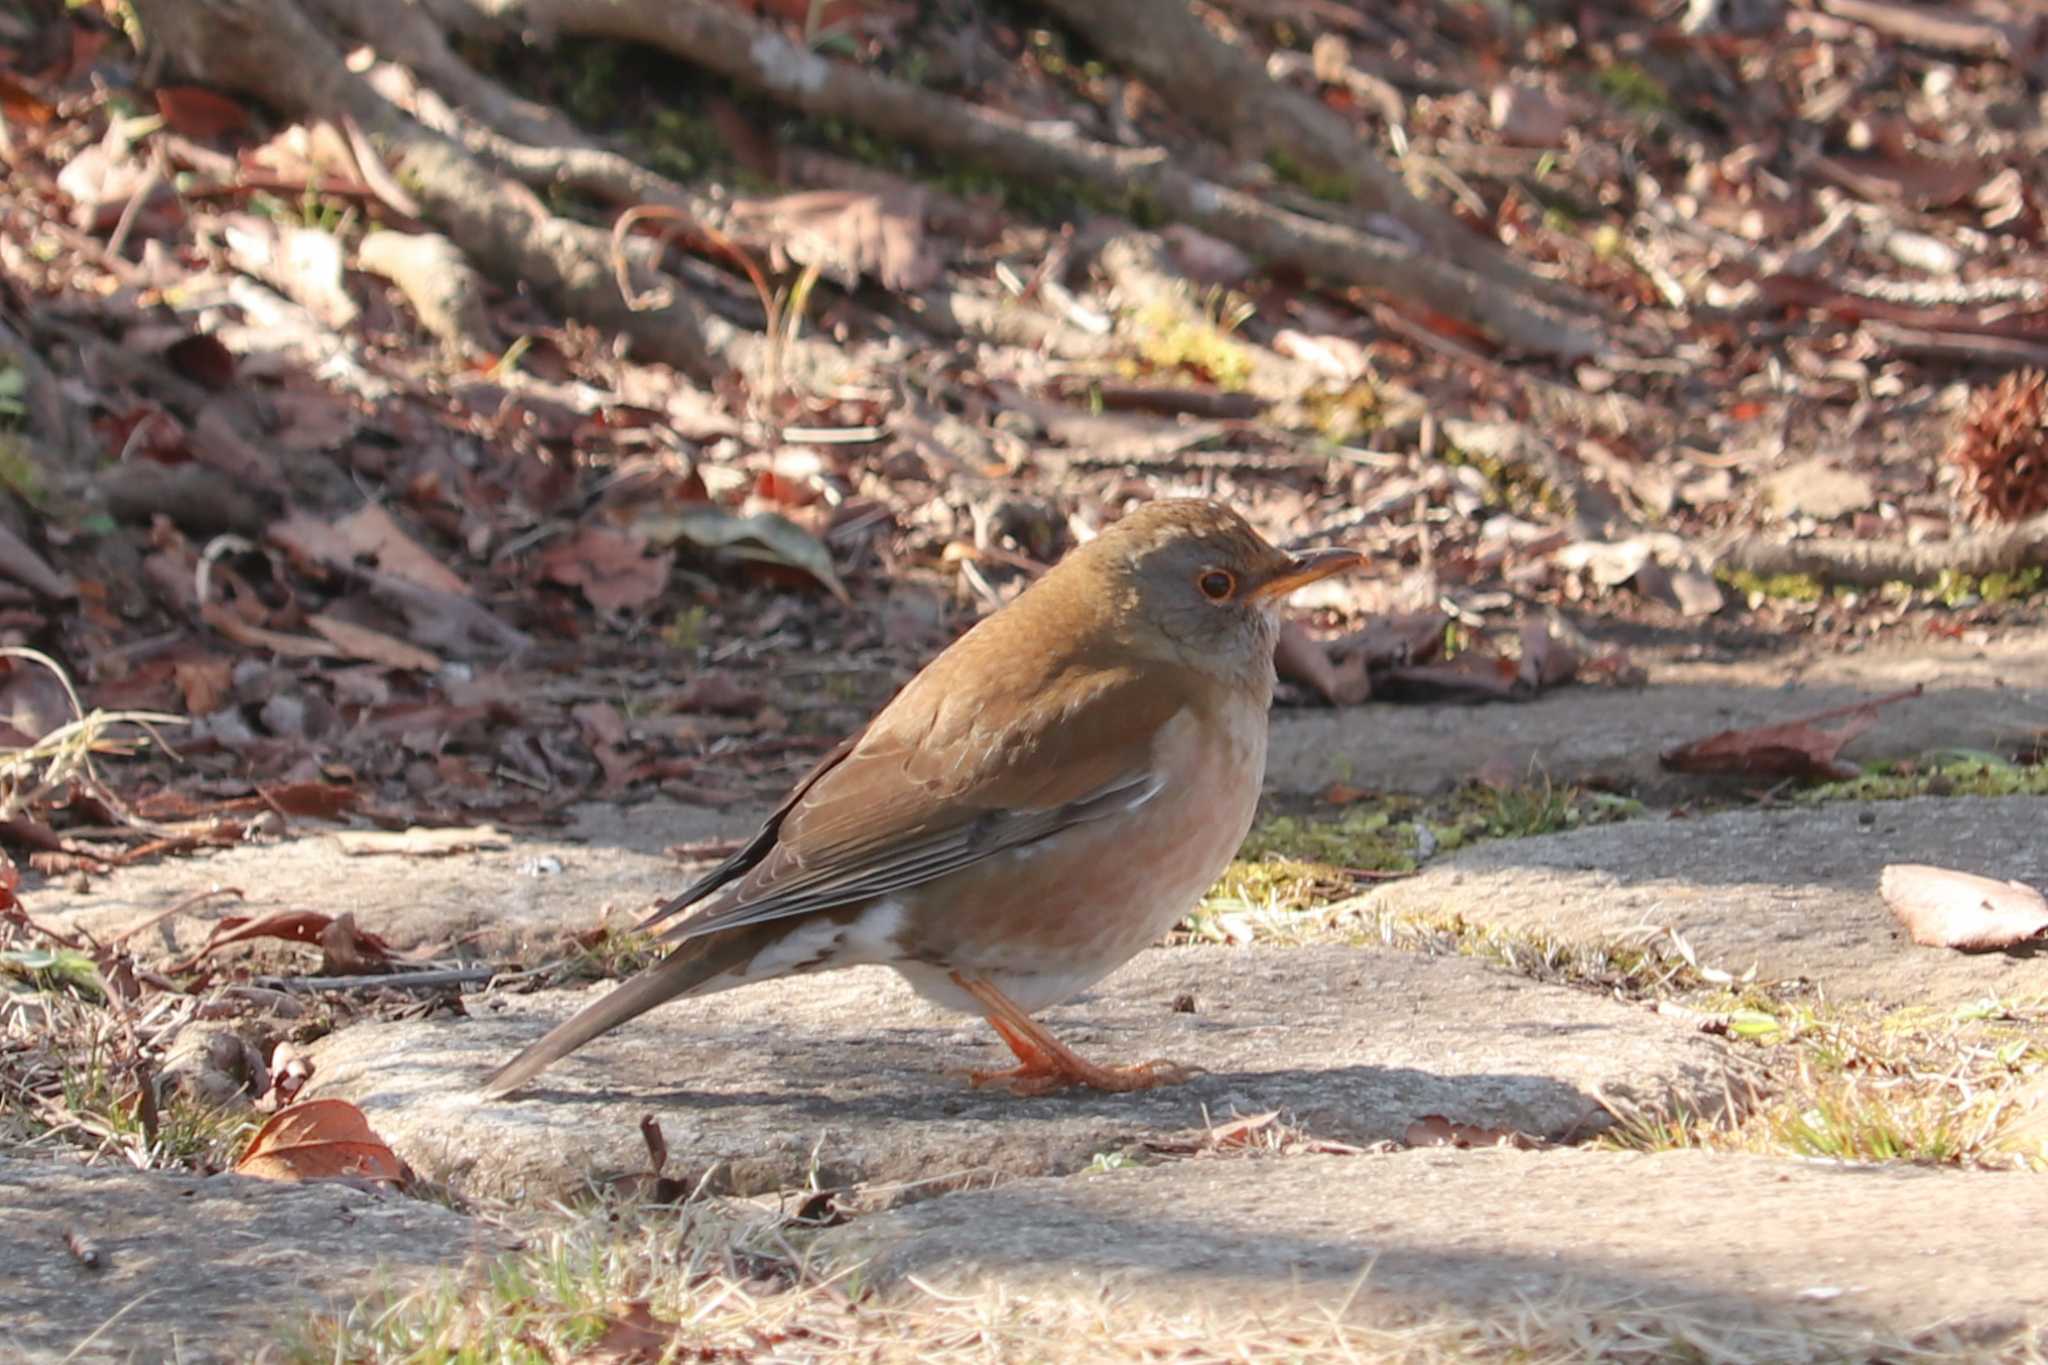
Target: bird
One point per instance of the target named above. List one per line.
(1044, 799)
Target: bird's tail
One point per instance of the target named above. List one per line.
(687, 969)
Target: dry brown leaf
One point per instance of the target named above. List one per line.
(1921, 182)
(296, 926)
(256, 637)
(320, 1140)
(1943, 908)
(631, 1336)
(611, 567)
(850, 233)
(418, 841)
(361, 642)
(1300, 658)
(371, 532)
(198, 112)
(1434, 1130)
(1793, 748)
(1547, 661)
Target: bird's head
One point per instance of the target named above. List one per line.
(1192, 582)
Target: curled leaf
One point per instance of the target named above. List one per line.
(320, 1140)
(763, 538)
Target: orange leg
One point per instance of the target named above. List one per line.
(1045, 1064)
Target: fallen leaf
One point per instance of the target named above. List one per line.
(763, 538)
(199, 113)
(257, 637)
(631, 1336)
(850, 233)
(320, 1140)
(1300, 658)
(718, 690)
(1793, 748)
(1546, 660)
(361, 642)
(1943, 908)
(21, 105)
(601, 722)
(1472, 676)
(371, 532)
(419, 841)
(1240, 1132)
(611, 567)
(1434, 1130)
(294, 926)
(204, 360)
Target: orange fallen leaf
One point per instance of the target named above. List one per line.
(199, 113)
(1793, 748)
(320, 1140)
(335, 934)
(1434, 1130)
(1943, 908)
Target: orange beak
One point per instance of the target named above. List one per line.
(1304, 569)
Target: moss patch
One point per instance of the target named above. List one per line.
(1944, 773)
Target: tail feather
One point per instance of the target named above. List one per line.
(683, 971)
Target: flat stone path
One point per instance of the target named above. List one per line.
(842, 1078)
(1790, 891)
(198, 1271)
(1746, 1249)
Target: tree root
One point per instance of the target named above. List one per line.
(1873, 563)
(1229, 94)
(271, 50)
(756, 54)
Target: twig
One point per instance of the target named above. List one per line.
(429, 979)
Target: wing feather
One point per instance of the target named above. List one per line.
(935, 784)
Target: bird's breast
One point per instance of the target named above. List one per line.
(1050, 918)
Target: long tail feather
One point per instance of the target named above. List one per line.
(682, 972)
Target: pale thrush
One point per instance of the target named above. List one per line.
(1049, 796)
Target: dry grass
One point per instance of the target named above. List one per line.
(633, 1283)
(1962, 1087)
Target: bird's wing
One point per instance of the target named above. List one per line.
(939, 781)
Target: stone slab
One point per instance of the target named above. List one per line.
(842, 1078)
(490, 903)
(198, 1270)
(1977, 698)
(1739, 1245)
(1791, 891)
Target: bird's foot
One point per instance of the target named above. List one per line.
(1045, 1064)
(1042, 1076)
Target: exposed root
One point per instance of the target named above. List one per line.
(1873, 563)
(756, 54)
(270, 49)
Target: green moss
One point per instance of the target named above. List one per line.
(1330, 186)
(1954, 589)
(1342, 415)
(1794, 587)
(1513, 485)
(1172, 336)
(1633, 88)
(686, 631)
(1945, 773)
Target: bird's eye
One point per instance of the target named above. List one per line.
(1216, 584)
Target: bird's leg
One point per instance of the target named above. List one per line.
(1044, 1063)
